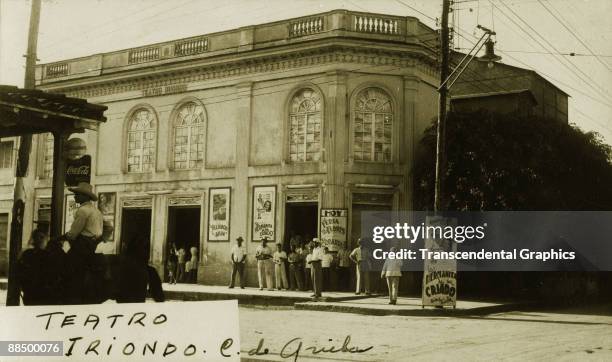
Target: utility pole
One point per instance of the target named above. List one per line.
(442, 99)
(21, 169)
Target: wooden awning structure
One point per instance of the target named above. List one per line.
(30, 111)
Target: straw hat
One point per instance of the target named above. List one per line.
(85, 189)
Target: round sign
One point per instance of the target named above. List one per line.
(75, 148)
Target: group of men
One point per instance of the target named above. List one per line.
(72, 269)
(309, 266)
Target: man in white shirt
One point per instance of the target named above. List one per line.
(316, 270)
(359, 256)
(344, 279)
(238, 258)
(106, 246)
(326, 261)
(279, 258)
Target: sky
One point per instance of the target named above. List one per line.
(533, 34)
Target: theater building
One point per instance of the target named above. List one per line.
(252, 132)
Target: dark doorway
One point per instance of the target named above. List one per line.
(135, 223)
(377, 285)
(301, 219)
(356, 220)
(184, 233)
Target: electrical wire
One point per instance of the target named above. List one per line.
(574, 34)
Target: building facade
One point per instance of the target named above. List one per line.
(253, 132)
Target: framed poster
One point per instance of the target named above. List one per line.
(107, 202)
(333, 228)
(264, 213)
(70, 208)
(219, 214)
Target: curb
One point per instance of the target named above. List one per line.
(414, 312)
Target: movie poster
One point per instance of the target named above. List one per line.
(264, 211)
(440, 276)
(70, 209)
(333, 228)
(219, 214)
(107, 202)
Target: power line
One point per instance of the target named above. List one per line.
(103, 25)
(590, 83)
(149, 18)
(574, 34)
(569, 54)
(417, 10)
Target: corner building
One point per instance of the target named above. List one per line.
(312, 113)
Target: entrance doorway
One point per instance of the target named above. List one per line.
(184, 233)
(301, 219)
(135, 224)
(376, 284)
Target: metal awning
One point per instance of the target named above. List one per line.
(29, 111)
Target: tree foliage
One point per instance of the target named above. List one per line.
(504, 162)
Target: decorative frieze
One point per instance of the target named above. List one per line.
(303, 196)
(140, 203)
(176, 82)
(185, 201)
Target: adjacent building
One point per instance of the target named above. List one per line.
(504, 88)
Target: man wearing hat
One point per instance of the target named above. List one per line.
(238, 260)
(83, 237)
(316, 271)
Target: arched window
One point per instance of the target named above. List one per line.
(305, 126)
(373, 127)
(141, 141)
(189, 127)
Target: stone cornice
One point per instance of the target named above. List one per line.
(110, 84)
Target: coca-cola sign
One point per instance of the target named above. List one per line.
(78, 170)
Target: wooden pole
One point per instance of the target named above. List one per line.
(57, 192)
(442, 99)
(23, 159)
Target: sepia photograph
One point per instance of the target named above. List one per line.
(305, 180)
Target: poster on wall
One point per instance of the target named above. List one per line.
(70, 208)
(264, 212)
(107, 202)
(440, 275)
(333, 228)
(219, 214)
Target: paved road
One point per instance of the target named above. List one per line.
(568, 335)
(507, 336)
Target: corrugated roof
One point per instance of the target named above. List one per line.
(24, 111)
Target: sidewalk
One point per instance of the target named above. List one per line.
(342, 302)
(251, 296)
(407, 306)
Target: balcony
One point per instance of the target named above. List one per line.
(337, 23)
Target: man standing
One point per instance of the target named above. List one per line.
(238, 259)
(326, 265)
(295, 269)
(181, 256)
(359, 256)
(316, 270)
(280, 257)
(32, 274)
(83, 237)
(343, 269)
